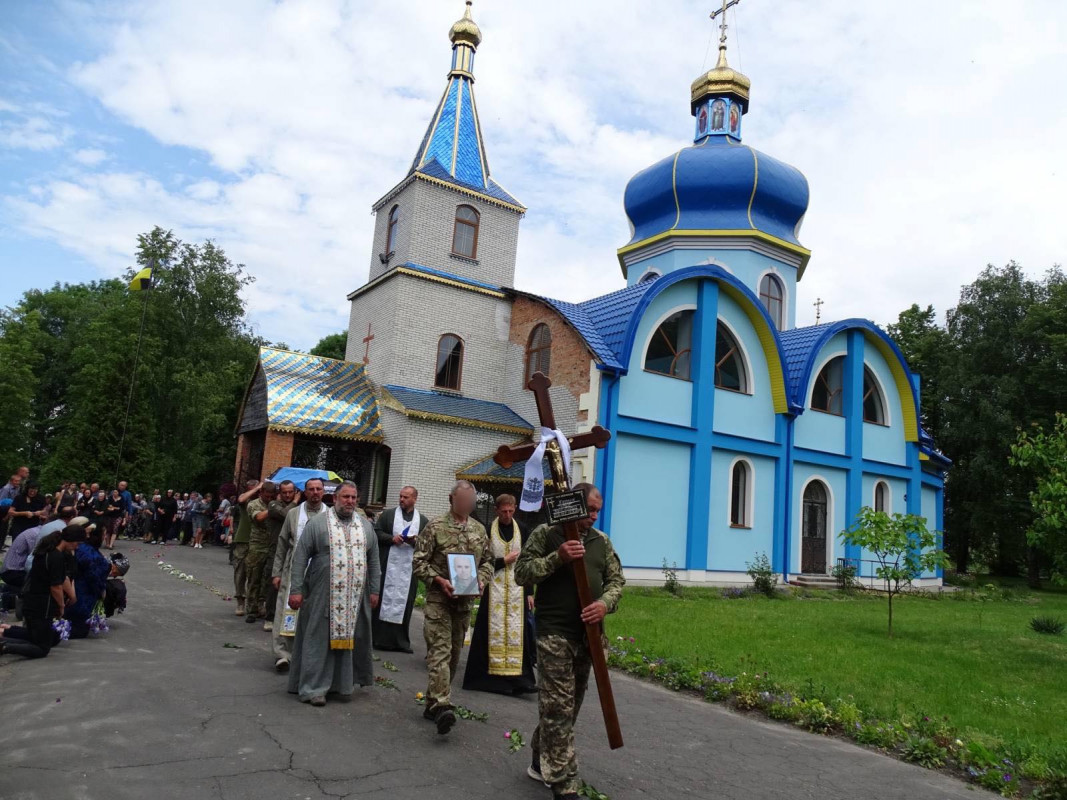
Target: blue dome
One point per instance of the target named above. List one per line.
(717, 184)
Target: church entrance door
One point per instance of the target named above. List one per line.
(813, 534)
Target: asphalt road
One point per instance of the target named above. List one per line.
(161, 708)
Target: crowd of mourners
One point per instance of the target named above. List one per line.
(56, 580)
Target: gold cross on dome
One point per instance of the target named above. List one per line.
(722, 25)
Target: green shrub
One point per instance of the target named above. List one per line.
(815, 715)
(879, 734)
(764, 578)
(1053, 789)
(1047, 625)
(924, 751)
(670, 578)
(845, 574)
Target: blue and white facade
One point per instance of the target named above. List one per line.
(736, 433)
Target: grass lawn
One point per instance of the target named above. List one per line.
(977, 663)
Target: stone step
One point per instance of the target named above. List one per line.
(814, 581)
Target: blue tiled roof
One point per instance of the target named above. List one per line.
(453, 150)
(602, 320)
(797, 345)
(488, 469)
(461, 409)
(440, 273)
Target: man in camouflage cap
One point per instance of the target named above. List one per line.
(447, 616)
(562, 652)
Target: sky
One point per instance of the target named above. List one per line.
(932, 136)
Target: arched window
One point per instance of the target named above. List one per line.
(538, 351)
(873, 404)
(465, 232)
(827, 396)
(649, 276)
(729, 363)
(390, 231)
(771, 294)
(740, 494)
(449, 362)
(881, 496)
(671, 346)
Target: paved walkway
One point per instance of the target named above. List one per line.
(161, 708)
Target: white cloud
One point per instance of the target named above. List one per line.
(931, 147)
(90, 156)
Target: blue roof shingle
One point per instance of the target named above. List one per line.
(464, 410)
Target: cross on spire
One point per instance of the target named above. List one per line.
(722, 25)
(818, 309)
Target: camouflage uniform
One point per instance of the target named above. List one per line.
(259, 546)
(276, 511)
(446, 621)
(563, 659)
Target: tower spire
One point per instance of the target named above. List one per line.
(465, 36)
(719, 98)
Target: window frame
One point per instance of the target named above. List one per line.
(840, 391)
(391, 225)
(691, 310)
(748, 492)
(770, 277)
(459, 372)
(887, 504)
(742, 357)
(876, 389)
(476, 225)
(546, 349)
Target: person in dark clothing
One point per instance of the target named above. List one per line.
(93, 570)
(116, 510)
(49, 589)
(85, 503)
(166, 510)
(397, 530)
(505, 607)
(27, 510)
(98, 515)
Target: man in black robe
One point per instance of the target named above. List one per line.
(397, 527)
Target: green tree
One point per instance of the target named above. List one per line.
(21, 358)
(331, 346)
(195, 359)
(1044, 453)
(901, 544)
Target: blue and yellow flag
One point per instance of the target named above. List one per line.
(142, 280)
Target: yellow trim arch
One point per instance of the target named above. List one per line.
(768, 341)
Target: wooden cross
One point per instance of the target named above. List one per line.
(508, 455)
(818, 309)
(367, 340)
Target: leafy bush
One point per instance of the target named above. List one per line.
(879, 734)
(845, 574)
(764, 578)
(924, 751)
(670, 578)
(815, 715)
(1053, 789)
(1047, 625)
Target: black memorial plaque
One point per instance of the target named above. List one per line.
(566, 507)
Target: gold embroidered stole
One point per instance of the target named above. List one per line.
(507, 608)
(348, 568)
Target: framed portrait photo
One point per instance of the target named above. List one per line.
(463, 574)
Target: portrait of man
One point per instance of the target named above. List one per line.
(462, 574)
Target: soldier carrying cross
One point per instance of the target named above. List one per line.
(579, 581)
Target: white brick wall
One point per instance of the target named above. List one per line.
(424, 234)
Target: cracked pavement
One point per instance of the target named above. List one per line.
(160, 708)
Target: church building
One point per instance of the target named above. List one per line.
(734, 432)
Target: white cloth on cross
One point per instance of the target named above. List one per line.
(533, 482)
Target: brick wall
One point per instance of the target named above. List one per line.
(277, 452)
